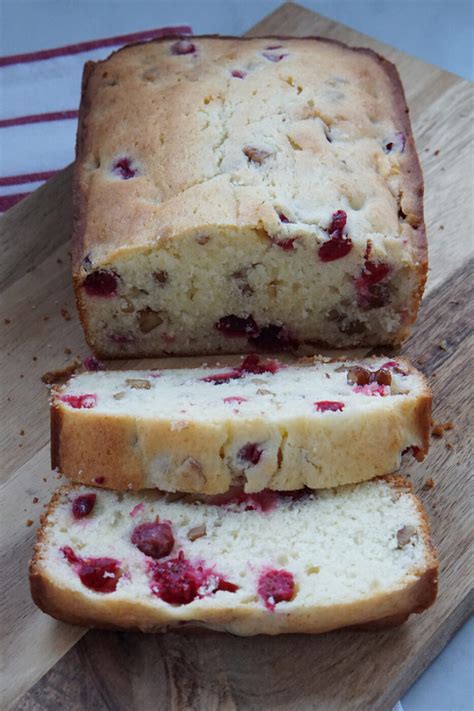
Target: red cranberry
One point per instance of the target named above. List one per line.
(393, 365)
(69, 554)
(121, 337)
(253, 364)
(274, 57)
(101, 283)
(261, 501)
(287, 244)
(395, 143)
(176, 581)
(276, 586)
(273, 337)
(237, 326)
(250, 452)
(136, 509)
(92, 364)
(238, 73)
(338, 245)
(225, 377)
(329, 406)
(153, 539)
(370, 293)
(235, 398)
(371, 390)
(98, 480)
(183, 47)
(226, 586)
(283, 218)
(123, 168)
(100, 574)
(80, 402)
(83, 505)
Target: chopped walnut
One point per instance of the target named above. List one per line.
(197, 532)
(404, 535)
(149, 319)
(138, 384)
(429, 484)
(190, 475)
(126, 306)
(119, 396)
(256, 155)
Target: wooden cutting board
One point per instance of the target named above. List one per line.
(47, 664)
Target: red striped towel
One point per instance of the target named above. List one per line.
(38, 114)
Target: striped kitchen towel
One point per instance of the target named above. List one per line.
(40, 94)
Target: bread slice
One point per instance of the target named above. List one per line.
(261, 423)
(263, 563)
(239, 193)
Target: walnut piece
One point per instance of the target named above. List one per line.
(138, 384)
(404, 535)
(197, 532)
(149, 319)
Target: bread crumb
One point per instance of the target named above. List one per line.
(53, 377)
(45, 479)
(45, 318)
(67, 351)
(35, 499)
(448, 445)
(29, 522)
(7, 321)
(443, 345)
(22, 433)
(441, 227)
(439, 428)
(35, 358)
(59, 261)
(65, 314)
(436, 153)
(429, 484)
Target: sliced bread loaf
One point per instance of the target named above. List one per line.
(262, 424)
(262, 563)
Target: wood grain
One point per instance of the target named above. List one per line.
(38, 322)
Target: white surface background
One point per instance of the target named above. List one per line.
(437, 31)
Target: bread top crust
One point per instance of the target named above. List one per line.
(303, 133)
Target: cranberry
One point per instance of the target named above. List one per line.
(238, 73)
(101, 283)
(100, 574)
(225, 377)
(83, 505)
(80, 402)
(237, 326)
(153, 539)
(176, 581)
(183, 47)
(272, 57)
(226, 586)
(287, 244)
(283, 218)
(98, 480)
(123, 168)
(235, 398)
(253, 364)
(69, 554)
(160, 276)
(393, 365)
(329, 406)
(371, 390)
(338, 222)
(273, 336)
(395, 143)
(121, 337)
(136, 509)
(370, 293)
(338, 245)
(276, 586)
(250, 452)
(92, 364)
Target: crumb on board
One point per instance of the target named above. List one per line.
(22, 433)
(22, 376)
(67, 351)
(65, 314)
(443, 345)
(436, 152)
(449, 445)
(59, 261)
(45, 318)
(429, 484)
(441, 227)
(35, 499)
(60, 375)
(7, 321)
(45, 479)
(29, 522)
(439, 428)
(35, 358)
